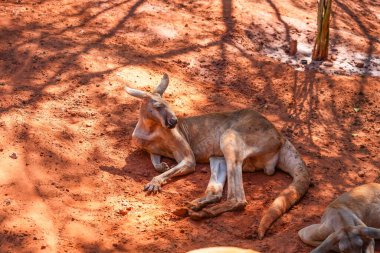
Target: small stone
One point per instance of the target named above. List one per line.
(122, 212)
(181, 212)
(359, 64)
(333, 57)
(7, 202)
(304, 62)
(328, 63)
(361, 173)
(43, 247)
(58, 78)
(13, 156)
(88, 125)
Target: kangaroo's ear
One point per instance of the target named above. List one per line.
(136, 93)
(160, 89)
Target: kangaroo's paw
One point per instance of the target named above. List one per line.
(161, 167)
(153, 186)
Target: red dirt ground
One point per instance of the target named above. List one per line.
(75, 181)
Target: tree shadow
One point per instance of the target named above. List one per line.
(56, 61)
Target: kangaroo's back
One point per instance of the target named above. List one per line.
(203, 132)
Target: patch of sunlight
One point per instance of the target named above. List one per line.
(94, 205)
(165, 31)
(11, 169)
(80, 232)
(154, 9)
(182, 96)
(34, 212)
(86, 186)
(40, 214)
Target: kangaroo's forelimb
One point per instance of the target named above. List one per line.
(182, 168)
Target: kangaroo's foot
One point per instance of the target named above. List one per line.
(196, 205)
(227, 206)
(199, 203)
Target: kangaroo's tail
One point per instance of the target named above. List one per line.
(291, 162)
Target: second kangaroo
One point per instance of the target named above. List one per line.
(232, 142)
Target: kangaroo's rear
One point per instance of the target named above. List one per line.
(232, 142)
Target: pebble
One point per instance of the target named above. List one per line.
(328, 63)
(123, 212)
(359, 64)
(7, 202)
(361, 173)
(304, 62)
(13, 156)
(181, 212)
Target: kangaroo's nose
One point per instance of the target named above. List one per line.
(172, 122)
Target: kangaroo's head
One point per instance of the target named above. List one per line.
(353, 239)
(153, 107)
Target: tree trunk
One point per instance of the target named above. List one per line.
(321, 45)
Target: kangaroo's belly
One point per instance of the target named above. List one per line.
(205, 149)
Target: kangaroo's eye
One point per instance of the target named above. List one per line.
(157, 105)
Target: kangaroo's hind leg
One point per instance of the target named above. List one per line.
(232, 146)
(215, 186)
(315, 234)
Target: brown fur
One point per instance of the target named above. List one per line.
(344, 224)
(234, 142)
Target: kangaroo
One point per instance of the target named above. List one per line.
(232, 142)
(343, 226)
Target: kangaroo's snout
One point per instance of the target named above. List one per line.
(172, 122)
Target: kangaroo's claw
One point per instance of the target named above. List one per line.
(153, 186)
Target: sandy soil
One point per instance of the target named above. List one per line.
(70, 179)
